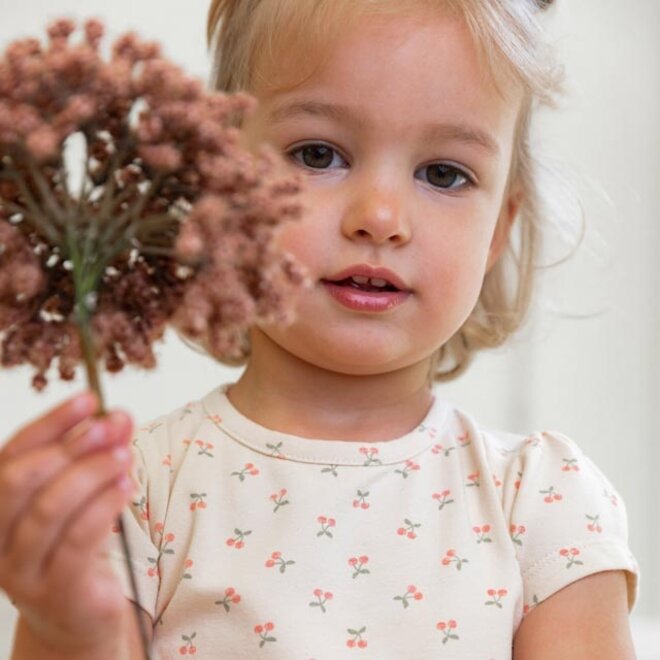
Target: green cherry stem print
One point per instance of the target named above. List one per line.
(571, 553)
(550, 495)
(570, 464)
(410, 467)
(326, 524)
(451, 557)
(516, 531)
(238, 541)
(409, 529)
(440, 449)
(322, 597)
(496, 597)
(277, 559)
(330, 469)
(473, 480)
(370, 453)
(204, 448)
(356, 639)
(447, 628)
(411, 592)
(231, 597)
(611, 497)
(481, 534)
(275, 450)
(464, 440)
(279, 500)
(263, 631)
(431, 431)
(197, 501)
(163, 550)
(593, 526)
(361, 500)
(247, 469)
(528, 608)
(442, 498)
(358, 563)
(188, 648)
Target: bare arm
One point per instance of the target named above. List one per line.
(28, 646)
(586, 619)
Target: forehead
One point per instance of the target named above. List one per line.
(396, 71)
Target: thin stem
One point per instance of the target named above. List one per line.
(44, 188)
(160, 221)
(83, 317)
(99, 218)
(35, 222)
(40, 221)
(133, 212)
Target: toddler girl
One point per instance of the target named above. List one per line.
(330, 503)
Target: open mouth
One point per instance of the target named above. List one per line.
(364, 284)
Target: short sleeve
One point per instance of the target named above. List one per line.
(143, 552)
(566, 519)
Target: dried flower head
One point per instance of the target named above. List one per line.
(170, 221)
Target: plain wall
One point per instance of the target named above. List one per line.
(595, 378)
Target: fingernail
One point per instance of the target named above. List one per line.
(84, 403)
(118, 419)
(121, 453)
(97, 434)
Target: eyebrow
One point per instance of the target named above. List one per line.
(457, 132)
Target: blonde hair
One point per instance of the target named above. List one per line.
(246, 33)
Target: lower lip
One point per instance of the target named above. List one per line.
(365, 301)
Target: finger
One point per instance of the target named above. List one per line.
(86, 534)
(29, 472)
(54, 507)
(51, 426)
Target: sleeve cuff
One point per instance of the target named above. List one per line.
(556, 571)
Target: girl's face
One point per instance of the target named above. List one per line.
(405, 147)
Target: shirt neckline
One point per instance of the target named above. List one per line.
(221, 412)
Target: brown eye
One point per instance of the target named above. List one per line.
(446, 177)
(315, 156)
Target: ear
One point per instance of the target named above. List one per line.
(510, 207)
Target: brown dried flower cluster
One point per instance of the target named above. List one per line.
(172, 222)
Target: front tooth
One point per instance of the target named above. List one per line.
(376, 281)
(359, 279)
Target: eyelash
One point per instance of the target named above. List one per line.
(469, 181)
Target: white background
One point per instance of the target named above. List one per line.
(596, 378)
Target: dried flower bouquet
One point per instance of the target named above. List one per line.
(169, 222)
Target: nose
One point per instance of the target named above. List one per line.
(376, 215)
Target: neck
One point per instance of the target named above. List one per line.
(285, 393)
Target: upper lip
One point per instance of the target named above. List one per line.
(369, 271)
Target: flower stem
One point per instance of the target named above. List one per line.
(86, 289)
(89, 355)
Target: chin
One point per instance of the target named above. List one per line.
(356, 359)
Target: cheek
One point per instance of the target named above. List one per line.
(455, 261)
(300, 239)
(311, 236)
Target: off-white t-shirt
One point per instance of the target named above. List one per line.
(251, 543)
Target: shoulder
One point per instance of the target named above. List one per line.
(161, 443)
(565, 517)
